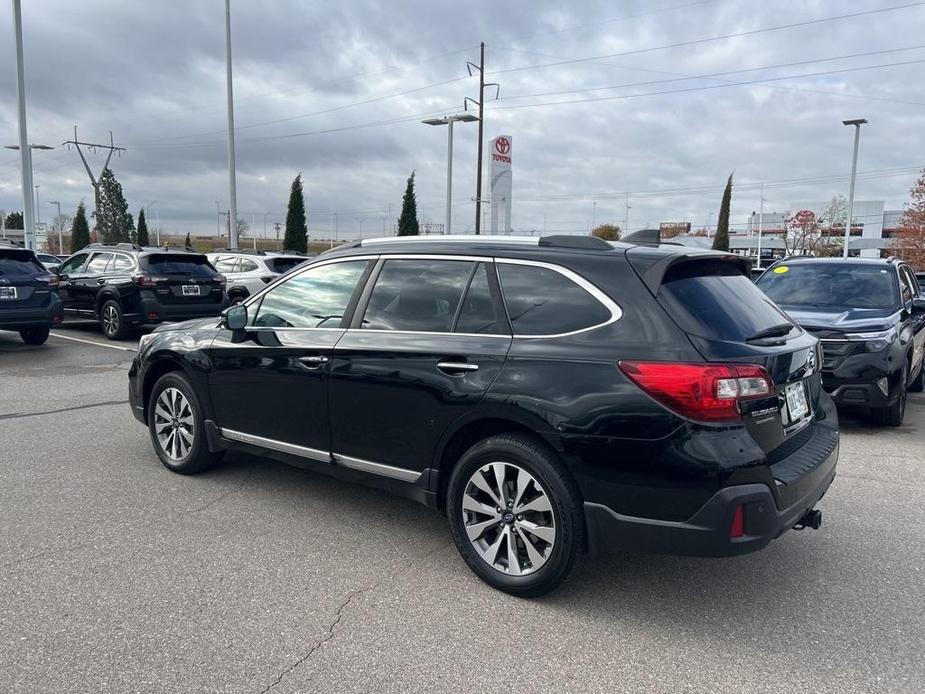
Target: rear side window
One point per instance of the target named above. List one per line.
(178, 264)
(907, 285)
(481, 312)
(715, 300)
(121, 263)
(226, 265)
(98, 263)
(18, 263)
(282, 265)
(419, 295)
(247, 265)
(543, 301)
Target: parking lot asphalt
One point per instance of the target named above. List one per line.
(117, 576)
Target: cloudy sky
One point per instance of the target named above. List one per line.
(652, 101)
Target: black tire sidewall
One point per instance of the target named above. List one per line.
(122, 330)
(35, 336)
(542, 463)
(198, 457)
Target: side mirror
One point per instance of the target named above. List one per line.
(235, 317)
(918, 306)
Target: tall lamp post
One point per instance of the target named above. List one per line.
(857, 123)
(30, 198)
(448, 121)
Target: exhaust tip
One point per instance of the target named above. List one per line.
(811, 519)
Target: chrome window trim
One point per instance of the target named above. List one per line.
(397, 473)
(460, 238)
(372, 331)
(273, 444)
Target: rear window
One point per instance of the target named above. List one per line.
(716, 301)
(176, 264)
(18, 263)
(853, 285)
(282, 265)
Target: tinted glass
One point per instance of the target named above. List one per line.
(913, 281)
(226, 265)
(479, 314)
(98, 263)
(247, 265)
(906, 286)
(121, 263)
(18, 263)
(715, 300)
(73, 264)
(316, 298)
(541, 301)
(417, 295)
(282, 265)
(854, 285)
(178, 264)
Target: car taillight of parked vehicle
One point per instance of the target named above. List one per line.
(143, 280)
(703, 392)
(52, 280)
(220, 280)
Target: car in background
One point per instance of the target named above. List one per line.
(249, 271)
(869, 315)
(51, 262)
(546, 393)
(29, 302)
(123, 285)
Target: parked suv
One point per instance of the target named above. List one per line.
(250, 271)
(547, 394)
(869, 315)
(29, 303)
(123, 285)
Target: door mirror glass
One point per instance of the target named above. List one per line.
(234, 317)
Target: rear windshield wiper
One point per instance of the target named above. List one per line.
(774, 331)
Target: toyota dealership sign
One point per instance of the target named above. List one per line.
(501, 182)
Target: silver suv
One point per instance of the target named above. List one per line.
(249, 271)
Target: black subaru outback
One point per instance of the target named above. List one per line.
(123, 285)
(548, 395)
(29, 302)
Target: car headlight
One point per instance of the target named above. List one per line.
(876, 341)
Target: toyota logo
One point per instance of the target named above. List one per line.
(503, 145)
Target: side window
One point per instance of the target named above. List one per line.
(121, 263)
(913, 282)
(225, 264)
(542, 301)
(315, 298)
(420, 295)
(247, 265)
(908, 289)
(73, 264)
(98, 263)
(481, 312)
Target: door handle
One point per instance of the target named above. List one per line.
(456, 368)
(314, 361)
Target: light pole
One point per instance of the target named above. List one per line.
(760, 223)
(593, 215)
(30, 201)
(58, 224)
(857, 123)
(38, 215)
(448, 121)
(147, 208)
(232, 185)
(25, 151)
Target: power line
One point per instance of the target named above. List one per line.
(694, 42)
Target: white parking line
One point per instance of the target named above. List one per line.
(93, 342)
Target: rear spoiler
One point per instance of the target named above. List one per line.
(653, 266)
(643, 237)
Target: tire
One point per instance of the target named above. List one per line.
(918, 383)
(893, 415)
(547, 485)
(237, 297)
(112, 321)
(172, 410)
(34, 336)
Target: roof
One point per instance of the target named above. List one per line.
(803, 259)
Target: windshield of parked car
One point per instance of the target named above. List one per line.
(855, 285)
(177, 264)
(17, 263)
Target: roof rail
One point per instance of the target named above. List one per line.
(108, 244)
(239, 251)
(571, 241)
(644, 237)
(451, 238)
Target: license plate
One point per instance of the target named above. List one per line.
(190, 290)
(797, 406)
(7, 292)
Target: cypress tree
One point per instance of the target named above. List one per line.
(721, 239)
(408, 221)
(80, 230)
(142, 235)
(188, 243)
(113, 219)
(296, 236)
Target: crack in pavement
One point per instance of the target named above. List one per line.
(23, 415)
(228, 492)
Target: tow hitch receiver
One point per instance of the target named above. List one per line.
(811, 519)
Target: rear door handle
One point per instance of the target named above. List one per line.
(314, 361)
(456, 368)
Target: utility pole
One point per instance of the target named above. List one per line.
(94, 180)
(857, 123)
(593, 214)
(277, 225)
(232, 186)
(626, 217)
(218, 221)
(25, 154)
(760, 222)
(481, 104)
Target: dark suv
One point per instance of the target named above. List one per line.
(123, 285)
(29, 303)
(547, 394)
(869, 315)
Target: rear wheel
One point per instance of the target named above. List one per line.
(515, 515)
(236, 297)
(112, 321)
(893, 415)
(176, 426)
(34, 336)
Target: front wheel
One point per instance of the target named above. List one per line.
(176, 425)
(516, 515)
(34, 336)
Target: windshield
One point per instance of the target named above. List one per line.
(852, 285)
(177, 264)
(18, 263)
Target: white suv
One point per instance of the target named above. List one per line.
(249, 271)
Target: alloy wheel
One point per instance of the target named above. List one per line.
(173, 424)
(508, 518)
(110, 320)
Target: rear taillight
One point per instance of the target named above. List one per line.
(53, 281)
(220, 280)
(143, 280)
(703, 392)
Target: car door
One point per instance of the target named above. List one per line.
(425, 343)
(69, 272)
(910, 291)
(87, 285)
(269, 382)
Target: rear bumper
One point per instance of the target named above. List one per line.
(152, 311)
(19, 318)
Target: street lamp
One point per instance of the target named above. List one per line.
(32, 200)
(857, 123)
(448, 121)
